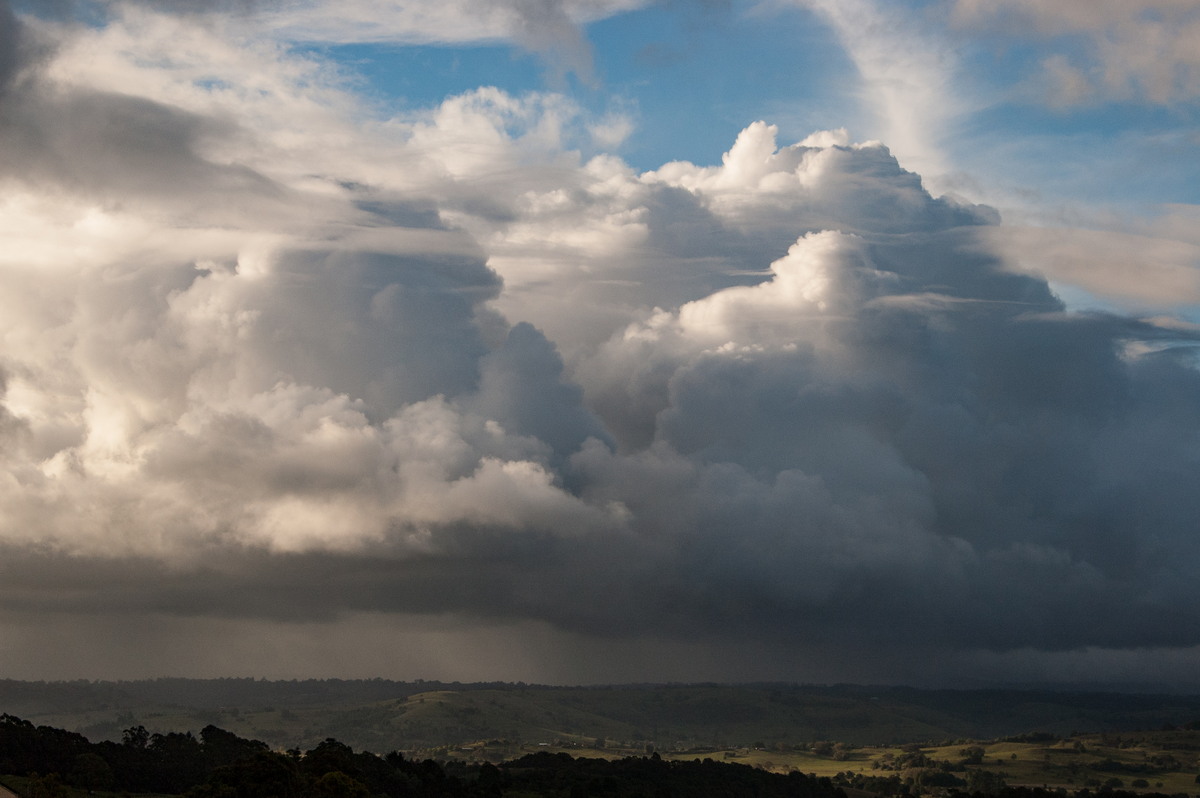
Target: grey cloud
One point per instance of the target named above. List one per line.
(73, 9)
(208, 6)
(11, 43)
(1140, 50)
(522, 387)
(389, 329)
(114, 147)
(546, 27)
(111, 146)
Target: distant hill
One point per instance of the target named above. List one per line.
(378, 715)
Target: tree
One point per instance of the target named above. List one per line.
(262, 775)
(328, 757)
(91, 772)
(986, 782)
(47, 786)
(972, 755)
(135, 737)
(337, 784)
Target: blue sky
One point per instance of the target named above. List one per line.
(600, 340)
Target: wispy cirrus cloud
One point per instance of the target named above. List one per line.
(908, 77)
(551, 28)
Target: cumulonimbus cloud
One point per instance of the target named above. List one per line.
(443, 364)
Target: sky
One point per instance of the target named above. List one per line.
(592, 341)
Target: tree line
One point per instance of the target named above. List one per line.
(220, 764)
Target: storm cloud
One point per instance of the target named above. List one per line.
(271, 362)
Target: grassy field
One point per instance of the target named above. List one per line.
(1166, 761)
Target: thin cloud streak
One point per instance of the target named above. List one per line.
(550, 28)
(907, 78)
